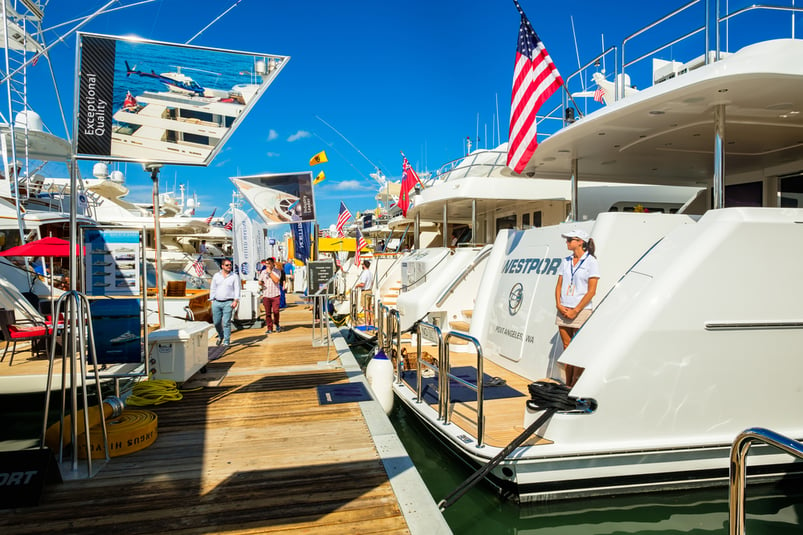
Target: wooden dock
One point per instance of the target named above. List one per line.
(253, 451)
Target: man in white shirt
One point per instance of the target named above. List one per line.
(224, 292)
(366, 284)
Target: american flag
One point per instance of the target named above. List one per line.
(342, 218)
(209, 219)
(535, 79)
(361, 244)
(599, 94)
(229, 225)
(409, 179)
(198, 266)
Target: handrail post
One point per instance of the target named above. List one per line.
(478, 388)
(738, 469)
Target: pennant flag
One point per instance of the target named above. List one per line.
(342, 218)
(319, 158)
(599, 94)
(209, 219)
(409, 179)
(361, 244)
(319, 178)
(229, 225)
(535, 79)
(198, 266)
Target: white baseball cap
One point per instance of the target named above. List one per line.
(577, 233)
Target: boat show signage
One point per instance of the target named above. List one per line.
(163, 103)
(279, 197)
(113, 262)
(321, 272)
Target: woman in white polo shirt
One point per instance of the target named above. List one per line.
(577, 284)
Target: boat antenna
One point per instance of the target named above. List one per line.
(602, 38)
(577, 53)
(498, 128)
(351, 144)
(235, 4)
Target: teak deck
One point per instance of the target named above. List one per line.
(255, 454)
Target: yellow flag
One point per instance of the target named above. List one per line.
(319, 178)
(318, 158)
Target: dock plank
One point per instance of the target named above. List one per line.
(254, 454)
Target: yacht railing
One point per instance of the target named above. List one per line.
(738, 456)
(483, 254)
(479, 164)
(714, 17)
(432, 333)
(445, 393)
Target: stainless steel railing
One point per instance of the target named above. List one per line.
(738, 469)
(445, 393)
(432, 333)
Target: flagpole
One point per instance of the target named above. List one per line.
(566, 89)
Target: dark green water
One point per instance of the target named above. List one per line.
(771, 509)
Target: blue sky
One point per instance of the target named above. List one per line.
(413, 76)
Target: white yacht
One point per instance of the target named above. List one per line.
(693, 322)
(458, 215)
(187, 121)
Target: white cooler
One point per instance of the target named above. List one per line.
(248, 310)
(177, 354)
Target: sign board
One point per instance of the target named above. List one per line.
(113, 262)
(279, 197)
(155, 102)
(430, 333)
(321, 271)
(23, 475)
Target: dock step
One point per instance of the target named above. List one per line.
(468, 312)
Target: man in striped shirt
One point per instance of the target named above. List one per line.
(271, 293)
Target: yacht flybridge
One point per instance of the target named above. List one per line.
(692, 316)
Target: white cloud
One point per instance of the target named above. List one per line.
(352, 185)
(298, 135)
(272, 134)
(272, 154)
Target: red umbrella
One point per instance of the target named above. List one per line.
(45, 247)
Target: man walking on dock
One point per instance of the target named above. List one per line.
(224, 292)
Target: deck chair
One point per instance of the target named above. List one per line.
(22, 331)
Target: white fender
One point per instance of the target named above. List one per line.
(379, 374)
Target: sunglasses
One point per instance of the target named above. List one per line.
(569, 240)
(226, 265)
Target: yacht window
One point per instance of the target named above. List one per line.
(537, 219)
(791, 192)
(525, 220)
(748, 194)
(506, 222)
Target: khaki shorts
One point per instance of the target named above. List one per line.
(367, 299)
(576, 323)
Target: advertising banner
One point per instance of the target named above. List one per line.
(279, 197)
(154, 102)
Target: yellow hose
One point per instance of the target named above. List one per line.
(132, 431)
(153, 392)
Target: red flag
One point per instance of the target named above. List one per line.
(409, 179)
(229, 225)
(535, 79)
(209, 219)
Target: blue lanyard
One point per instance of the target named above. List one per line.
(574, 270)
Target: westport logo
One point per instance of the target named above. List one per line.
(515, 298)
(542, 266)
